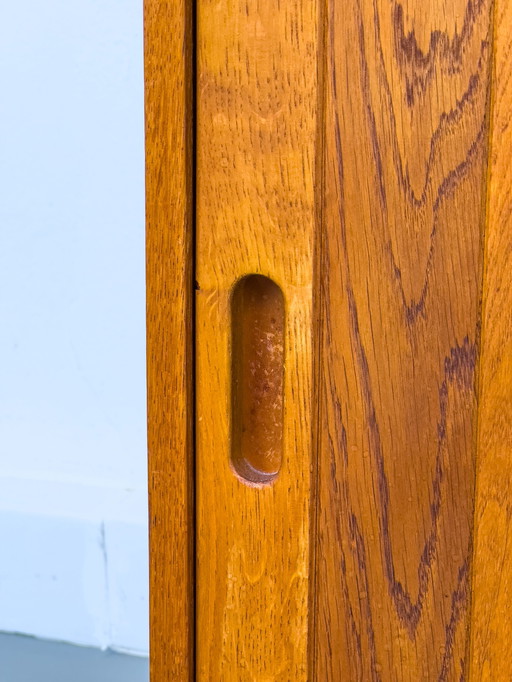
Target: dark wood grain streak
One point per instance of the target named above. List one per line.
(406, 137)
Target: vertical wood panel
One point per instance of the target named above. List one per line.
(256, 147)
(169, 116)
(407, 91)
(491, 622)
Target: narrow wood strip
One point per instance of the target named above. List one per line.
(407, 92)
(491, 650)
(169, 116)
(257, 125)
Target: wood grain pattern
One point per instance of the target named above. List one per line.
(491, 622)
(256, 165)
(169, 213)
(407, 90)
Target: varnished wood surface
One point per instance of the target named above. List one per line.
(407, 90)
(256, 164)
(168, 106)
(491, 622)
(356, 133)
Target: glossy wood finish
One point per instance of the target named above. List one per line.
(491, 622)
(256, 164)
(406, 129)
(342, 151)
(169, 213)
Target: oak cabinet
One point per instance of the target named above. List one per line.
(329, 277)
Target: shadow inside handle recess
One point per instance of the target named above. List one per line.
(258, 320)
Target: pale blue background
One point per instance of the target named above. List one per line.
(72, 365)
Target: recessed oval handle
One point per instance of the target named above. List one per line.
(258, 321)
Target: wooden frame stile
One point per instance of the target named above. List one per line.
(491, 620)
(257, 127)
(169, 41)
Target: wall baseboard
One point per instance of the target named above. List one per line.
(74, 564)
(28, 658)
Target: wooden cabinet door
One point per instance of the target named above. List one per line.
(329, 258)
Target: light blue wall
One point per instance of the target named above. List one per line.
(72, 382)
